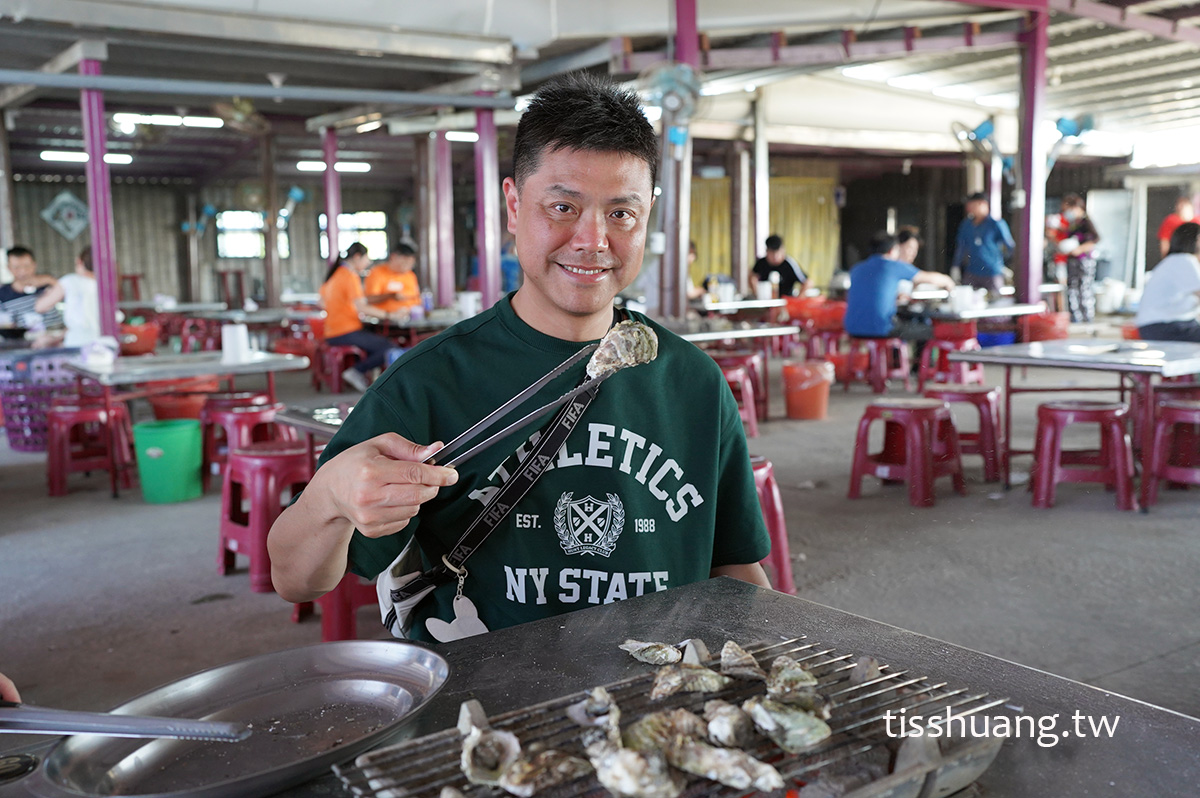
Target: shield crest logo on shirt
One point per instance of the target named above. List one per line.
(589, 525)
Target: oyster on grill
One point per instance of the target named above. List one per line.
(791, 728)
(740, 663)
(529, 775)
(633, 774)
(598, 710)
(728, 725)
(866, 669)
(487, 754)
(787, 678)
(684, 678)
(729, 766)
(656, 730)
(629, 343)
(652, 653)
(450, 792)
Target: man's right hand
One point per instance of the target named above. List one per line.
(376, 486)
(380, 484)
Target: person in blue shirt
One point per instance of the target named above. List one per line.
(875, 291)
(980, 246)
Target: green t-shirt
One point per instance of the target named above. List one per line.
(652, 489)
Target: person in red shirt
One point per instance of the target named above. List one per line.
(344, 301)
(1184, 212)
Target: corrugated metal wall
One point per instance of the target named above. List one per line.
(149, 238)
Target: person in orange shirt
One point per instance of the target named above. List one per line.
(392, 285)
(344, 301)
(1184, 212)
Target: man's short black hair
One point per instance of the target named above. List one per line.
(357, 248)
(908, 233)
(882, 243)
(1185, 239)
(20, 252)
(774, 241)
(583, 112)
(978, 196)
(405, 250)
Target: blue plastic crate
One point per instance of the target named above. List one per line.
(996, 338)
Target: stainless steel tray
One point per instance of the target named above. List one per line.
(309, 708)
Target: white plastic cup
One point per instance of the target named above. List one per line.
(235, 342)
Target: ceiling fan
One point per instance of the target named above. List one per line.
(240, 115)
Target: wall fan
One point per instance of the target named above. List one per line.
(980, 141)
(675, 88)
(1069, 131)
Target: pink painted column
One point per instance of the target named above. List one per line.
(99, 193)
(333, 191)
(487, 206)
(444, 207)
(687, 38)
(1032, 150)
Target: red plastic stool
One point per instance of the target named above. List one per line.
(937, 367)
(739, 381)
(780, 558)
(755, 365)
(333, 360)
(823, 342)
(256, 474)
(880, 368)
(197, 335)
(339, 608)
(1175, 453)
(1114, 458)
(215, 443)
(77, 439)
(241, 425)
(985, 442)
(920, 444)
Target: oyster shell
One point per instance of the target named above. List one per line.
(728, 766)
(487, 754)
(652, 653)
(528, 776)
(681, 677)
(791, 728)
(788, 677)
(656, 730)
(740, 663)
(866, 669)
(628, 343)
(598, 710)
(728, 725)
(450, 792)
(633, 774)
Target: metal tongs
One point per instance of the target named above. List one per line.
(451, 455)
(24, 719)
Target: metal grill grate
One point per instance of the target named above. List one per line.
(421, 767)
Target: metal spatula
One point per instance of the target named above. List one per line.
(25, 719)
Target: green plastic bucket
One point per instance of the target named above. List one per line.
(168, 459)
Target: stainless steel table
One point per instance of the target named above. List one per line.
(178, 307)
(126, 372)
(760, 331)
(740, 305)
(993, 311)
(1152, 752)
(319, 421)
(1140, 361)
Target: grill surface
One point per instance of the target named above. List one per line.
(421, 767)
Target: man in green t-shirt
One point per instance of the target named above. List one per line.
(652, 489)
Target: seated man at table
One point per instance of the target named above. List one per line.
(392, 285)
(17, 299)
(875, 292)
(792, 278)
(1170, 301)
(651, 490)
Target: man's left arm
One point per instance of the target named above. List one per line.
(1006, 236)
(750, 572)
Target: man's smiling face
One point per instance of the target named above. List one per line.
(580, 224)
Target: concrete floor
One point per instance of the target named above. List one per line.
(104, 599)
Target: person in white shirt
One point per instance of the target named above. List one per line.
(81, 302)
(1171, 299)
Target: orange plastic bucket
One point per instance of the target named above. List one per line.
(806, 389)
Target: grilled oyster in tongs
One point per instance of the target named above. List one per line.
(628, 343)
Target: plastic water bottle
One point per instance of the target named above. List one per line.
(427, 300)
